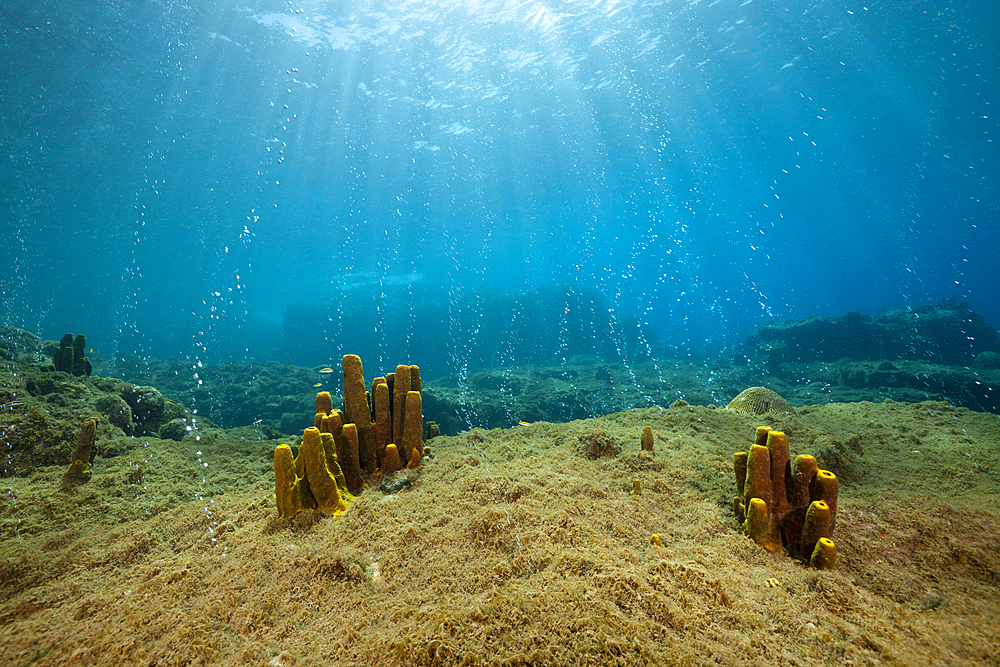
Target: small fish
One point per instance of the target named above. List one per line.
(524, 423)
(272, 403)
(318, 384)
(259, 421)
(326, 370)
(13, 404)
(170, 400)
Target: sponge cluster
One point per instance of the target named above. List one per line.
(784, 505)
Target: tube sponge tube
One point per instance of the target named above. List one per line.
(390, 461)
(324, 403)
(758, 482)
(358, 411)
(825, 487)
(83, 455)
(816, 527)
(755, 526)
(383, 418)
(287, 492)
(646, 439)
(349, 461)
(413, 429)
(777, 446)
(400, 387)
(824, 556)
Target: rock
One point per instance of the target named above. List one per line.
(19, 345)
(118, 412)
(147, 405)
(987, 361)
(175, 429)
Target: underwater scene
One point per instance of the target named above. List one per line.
(497, 333)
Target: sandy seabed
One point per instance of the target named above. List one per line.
(512, 548)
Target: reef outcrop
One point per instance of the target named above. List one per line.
(950, 333)
(783, 505)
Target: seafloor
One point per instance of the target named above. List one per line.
(511, 547)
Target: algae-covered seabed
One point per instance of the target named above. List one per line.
(511, 548)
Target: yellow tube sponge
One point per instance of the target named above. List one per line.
(799, 498)
(825, 487)
(69, 356)
(803, 472)
(287, 491)
(329, 497)
(83, 455)
(62, 358)
(358, 411)
(824, 556)
(400, 388)
(324, 403)
(817, 525)
(332, 461)
(413, 429)
(349, 461)
(758, 482)
(646, 439)
(391, 462)
(740, 468)
(311, 480)
(383, 418)
(777, 446)
(757, 524)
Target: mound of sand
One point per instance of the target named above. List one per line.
(512, 547)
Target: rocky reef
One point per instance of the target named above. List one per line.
(945, 353)
(939, 353)
(950, 334)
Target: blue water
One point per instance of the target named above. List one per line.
(464, 184)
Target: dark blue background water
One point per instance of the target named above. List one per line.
(458, 184)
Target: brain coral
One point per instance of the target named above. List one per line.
(757, 401)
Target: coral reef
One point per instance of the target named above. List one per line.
(784, 506)
(70, 356)
(757, 401)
